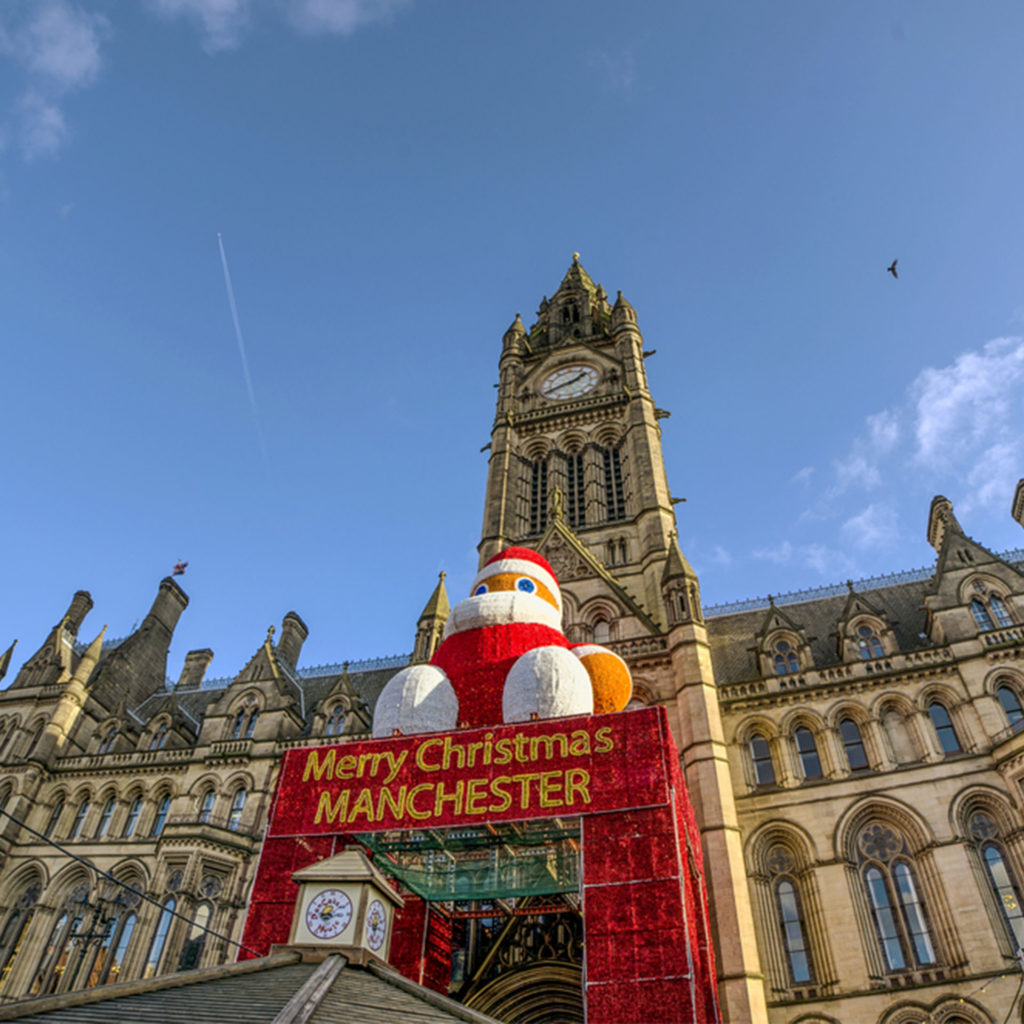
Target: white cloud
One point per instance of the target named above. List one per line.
(619, 68)
(803, 476)
(340, 17)
(720, 556)
(58, 46)
(883, 431)
(43, 130)
(875, 527)
(819, 557)
(61, 43)
(222, 22)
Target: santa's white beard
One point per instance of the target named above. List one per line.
(499, 608)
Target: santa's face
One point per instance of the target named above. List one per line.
(505, 598)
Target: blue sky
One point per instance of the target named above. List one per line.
(393, 181)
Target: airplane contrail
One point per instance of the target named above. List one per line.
(241, 345)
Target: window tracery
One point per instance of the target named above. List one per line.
(897, 910)
(985, 834)
(789, 914)
(785, 658)
(869, 644)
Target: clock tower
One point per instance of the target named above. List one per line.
(576, 469)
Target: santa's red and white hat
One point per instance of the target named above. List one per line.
(521, 560)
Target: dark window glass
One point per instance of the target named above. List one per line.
(206, 807)
(108, 810)
(1005, 892)
(156, 947)
(854, 745)
(981, 615)
(58, 810)
(538, 496)
(1011, 705)
(944, 728)
(791, 923)
(161, 815)
(885, 919)
(786, 661)
(133, 817)
(808, 751)
(913, 913)
(614, 497)
(868, 643)
(761, 755)
(116, 960)
(577, 501)
(236, 731)
(76, 825)
(1000, 612)
(237, 806)
(251, 724)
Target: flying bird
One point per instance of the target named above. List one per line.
(179, 568)
(892, 268)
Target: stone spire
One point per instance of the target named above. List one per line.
(430, 626)
(5, 658)
(941, 521)
(89, 659)
(680, 588)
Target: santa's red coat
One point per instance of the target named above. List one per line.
(477, 661)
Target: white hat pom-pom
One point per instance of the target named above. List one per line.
(418, 699)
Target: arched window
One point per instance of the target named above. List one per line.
(614, 494)
(944, 728)
(868, 643)
(192, 951)
(156, 947)
(159, 737)
(108, 740)
(133, 817)
(576, 499)
(985, 833)
(76, 825)
(335, 721)
(538, 495)
(116, 959)
(206, 806)
(793, 933)
(14, 928)
(105, 815)
(237, 806)
(1011, 705)
(761, 758)
(786, 661)
(602, 631)
(998, 608)
(251, 724)
(981, 616)
(46, 973)
(161, 815)
(236, 730)
(51, 824)
(856, 756)
(789, 914)
(898, 912)
(807, 750)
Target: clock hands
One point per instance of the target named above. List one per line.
(565, 384)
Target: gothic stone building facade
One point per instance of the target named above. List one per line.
(855, 755)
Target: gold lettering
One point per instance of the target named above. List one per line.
(498, 789)
(473, 748)
(363, 805)
(580, 746)
(449, 750)
(441, 797)
(397, 807)
(317, 768)
(503, 747)
(548, 743)
(551, 788)
(421, 750)
(603, 740)
(520, 741)
(476, 791)
(345, 767)
(338, 811)
(524, 781)
(410, 807)
(577, 780)
(394, 765)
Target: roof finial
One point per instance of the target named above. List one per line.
(441, 575)
(575, 257)
(270, 635)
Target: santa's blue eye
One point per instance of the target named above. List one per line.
(527, 586)
(482, 589)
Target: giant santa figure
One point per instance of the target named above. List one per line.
(504, 658)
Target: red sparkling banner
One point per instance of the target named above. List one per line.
(551, 768)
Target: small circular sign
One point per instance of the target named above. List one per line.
(328, 914)
(376, 924)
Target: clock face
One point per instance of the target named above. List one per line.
(569, 381)
(328, 913)
(376, 924)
